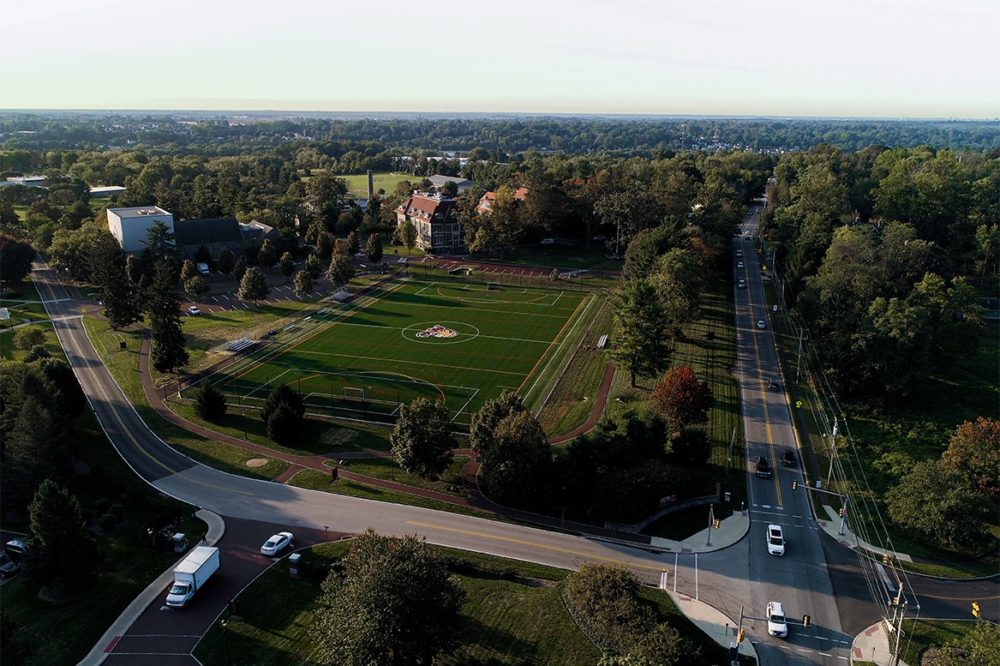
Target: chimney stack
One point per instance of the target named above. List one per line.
(371, 186)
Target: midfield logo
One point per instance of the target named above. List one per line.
(437, 331)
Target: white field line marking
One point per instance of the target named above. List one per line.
(425, 288)
(267, 383)
(396, 360)
(580, 317)
(490, 337)
(465, 405)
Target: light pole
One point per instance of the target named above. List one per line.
(225, 639)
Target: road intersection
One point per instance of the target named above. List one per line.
(817, 576)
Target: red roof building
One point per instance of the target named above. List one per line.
(487, 200)
(433, 215)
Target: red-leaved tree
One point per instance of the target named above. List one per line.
(682, 398)
(974, 449)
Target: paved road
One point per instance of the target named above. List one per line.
(740, 575)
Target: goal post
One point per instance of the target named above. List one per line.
(354, 393)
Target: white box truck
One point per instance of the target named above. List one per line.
(191, 574)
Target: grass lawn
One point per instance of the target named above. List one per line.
(124, 367)
(502, 621)
(563, 255)
(63, 633)
(357, 184)
(314, 480)
(573, 398)
(389, 469)
(918, 635)
(451, 341)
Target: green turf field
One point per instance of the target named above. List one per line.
(451, 341)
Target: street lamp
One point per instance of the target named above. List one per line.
(225, 639)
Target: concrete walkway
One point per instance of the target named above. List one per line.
(730, 531)
(873, 645)
(98, 653)
(849, 539)
(717, 625)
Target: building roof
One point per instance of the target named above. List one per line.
(107, 189)
(438, 181)
(486, 201)
(208, 230)
(138, 211)
(429, 207)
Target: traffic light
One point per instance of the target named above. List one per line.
(805, 620)
(740, 635)
(795, 484)
(885, 558)
(841, 512)
(715, 523)
(975, 609)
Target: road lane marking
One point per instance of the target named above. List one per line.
(532, 544)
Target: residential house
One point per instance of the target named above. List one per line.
(486, 201)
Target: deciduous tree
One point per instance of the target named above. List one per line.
(341, 270)
(682, 398)
(28, 337)
(303, 283)
(422, 439)
(514, 466)
(253, 286)
(640, 338)
(939, 504)
(974, 450)
(373, 247)
(394, 603)
(15, 258)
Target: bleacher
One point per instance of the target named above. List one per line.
(602, 342)
(240, 344)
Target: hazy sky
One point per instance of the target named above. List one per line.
(913, 58)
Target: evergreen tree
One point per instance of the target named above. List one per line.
(209, 403)
(168, 344)
(313, 266)
(303, 283)
(107, 270)
(268, 254)
(341, 270)
(240, 269)
(353, 246)
(31, 452)
(62, 549)
(373, 248)
(641, 340)
(282, 413)
(253, 286)
(287, 265)
(227, 262)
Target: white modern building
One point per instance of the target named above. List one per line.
(106, 191)
(130, 225)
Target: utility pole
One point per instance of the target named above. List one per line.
(798, 358)
(833, 451)
(711, 523)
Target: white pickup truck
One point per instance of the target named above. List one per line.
(191, 574)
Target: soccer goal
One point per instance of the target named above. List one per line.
(354, 393)
(493, 286)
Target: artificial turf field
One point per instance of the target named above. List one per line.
(457, 342)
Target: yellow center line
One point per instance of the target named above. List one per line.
(763, 390)
(531, 544)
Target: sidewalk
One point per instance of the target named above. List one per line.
(851, 540)
(872, 646)
(730, 531)
(98, 653)
(718, 626)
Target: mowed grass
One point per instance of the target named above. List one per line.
(357, 184)
(501, 621)
(365, 358)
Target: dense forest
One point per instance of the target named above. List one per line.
(357, 143)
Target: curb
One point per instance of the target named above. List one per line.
(107, 641)
(746, 648)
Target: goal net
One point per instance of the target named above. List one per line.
(354, 393)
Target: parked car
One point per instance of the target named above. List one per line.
(761, 324)
(277, 543)
(16, 548)
(762, 468)
(775, 540)
(193, 311)
(776, 624)
(548, 241)
(788, 458)
(8, 567)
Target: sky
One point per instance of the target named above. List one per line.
(869, 58)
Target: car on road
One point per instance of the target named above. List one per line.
(761, 324)
(776, 624)
(775, 540)
(739, 264)
(762, 468)
(277, 543)
(742, 284)
(788, 458)
(739, 254)
(193, 311)
(548, 241)
(773, 384)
